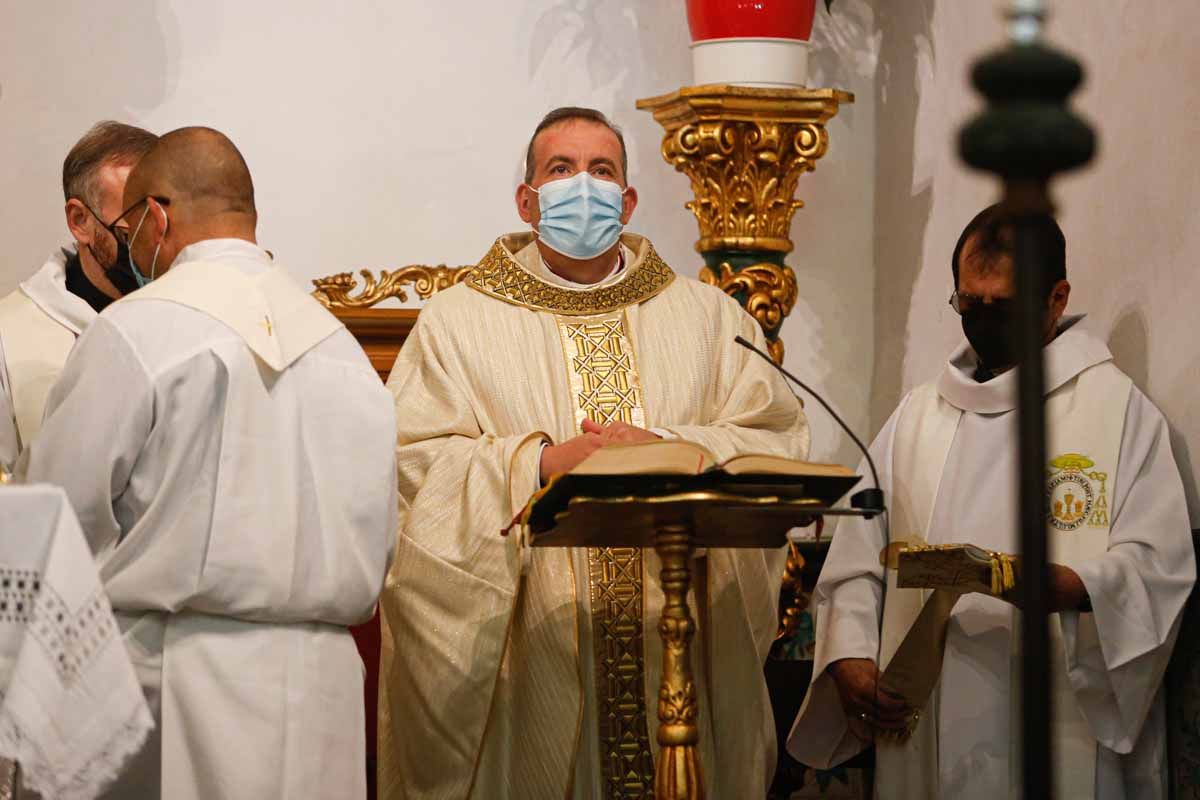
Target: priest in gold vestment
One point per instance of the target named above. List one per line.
(514, 672)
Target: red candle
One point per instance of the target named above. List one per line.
(771, 19)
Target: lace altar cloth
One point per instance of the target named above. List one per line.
(72, 712)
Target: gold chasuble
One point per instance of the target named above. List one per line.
(510, 672)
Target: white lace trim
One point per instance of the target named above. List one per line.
(50, 781)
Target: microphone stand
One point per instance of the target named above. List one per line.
(866, 503)
(869, 501)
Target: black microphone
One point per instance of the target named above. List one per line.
(866, 500)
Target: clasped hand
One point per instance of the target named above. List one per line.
(868, 706)
(559, 458)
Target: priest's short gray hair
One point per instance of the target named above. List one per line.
(565, 114)
(107, 142)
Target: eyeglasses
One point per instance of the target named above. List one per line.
(122, 233)
(962, 302)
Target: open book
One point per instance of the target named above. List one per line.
(680, 457)
(652, 469)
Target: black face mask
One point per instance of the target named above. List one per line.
(987, 327)
(118, 272)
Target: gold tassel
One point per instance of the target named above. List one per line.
(1003, 575)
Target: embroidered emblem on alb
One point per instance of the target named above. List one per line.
(1076, 493)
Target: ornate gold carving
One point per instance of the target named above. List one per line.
(796, 598)
(616, 586)
(500, 276)
(601, 370)
(744, 149)
(604, 380)
(744, 176)
(678, 775)
(770, 292)
(334, 291)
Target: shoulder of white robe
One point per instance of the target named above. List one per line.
(47, 288)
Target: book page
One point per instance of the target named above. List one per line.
(666, 457)
(777, 465)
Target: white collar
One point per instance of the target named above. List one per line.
(624, 257)
(1071, 352)
(246, 256)
(47, 288)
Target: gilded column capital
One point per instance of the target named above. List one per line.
(744, 150)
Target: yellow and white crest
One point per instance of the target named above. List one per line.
(1076, 493)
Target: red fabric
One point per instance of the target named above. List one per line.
(773, 19)
(366, 636)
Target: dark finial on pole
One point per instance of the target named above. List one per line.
(1026, 135)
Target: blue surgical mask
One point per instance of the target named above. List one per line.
(580, 215)
(138, 276)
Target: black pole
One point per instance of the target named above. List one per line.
(1026, 135)
(1036, 698)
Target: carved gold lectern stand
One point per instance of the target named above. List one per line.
(675, 524)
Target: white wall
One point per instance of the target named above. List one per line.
(388, 133)
(830, 334)
(378, 133)
(1129, 219)
(392, 132)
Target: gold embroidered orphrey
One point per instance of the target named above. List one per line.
(499, 275)
(600, 370)
(1076, 493)
(604, 382)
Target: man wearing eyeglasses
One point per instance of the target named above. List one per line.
(1119, 541)
(229, 451)
(41, 319)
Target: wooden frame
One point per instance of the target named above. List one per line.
(380, 331)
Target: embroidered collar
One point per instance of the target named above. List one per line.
(500, 275)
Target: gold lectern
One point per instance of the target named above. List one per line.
(675, 518)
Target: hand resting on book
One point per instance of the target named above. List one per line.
(564, 457)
